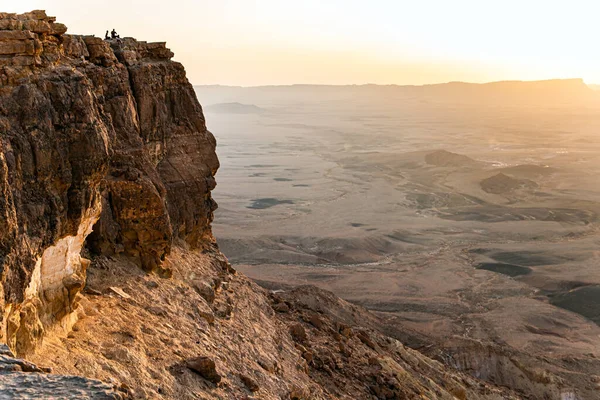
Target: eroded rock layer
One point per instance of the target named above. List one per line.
(95, 136)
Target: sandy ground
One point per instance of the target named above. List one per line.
(468, 221)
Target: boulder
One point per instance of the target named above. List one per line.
(298, 333)
(206, 368)
(205, 291)
(250, 383)
(281, 307)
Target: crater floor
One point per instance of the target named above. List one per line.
(458, 223)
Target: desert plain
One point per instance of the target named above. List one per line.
(465, 216)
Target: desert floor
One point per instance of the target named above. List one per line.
(451, 221)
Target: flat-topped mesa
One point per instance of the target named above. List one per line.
(103, 145)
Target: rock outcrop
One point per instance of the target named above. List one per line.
(443, 158)
(502, 183)
(20, 379)
(104, 151)
(158, 341)
(96, 137)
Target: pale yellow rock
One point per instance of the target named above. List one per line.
(120, 292)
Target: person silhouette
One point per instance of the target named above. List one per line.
(113, 34)
(106, 37)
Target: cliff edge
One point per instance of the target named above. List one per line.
(109, 267)
(98, 138)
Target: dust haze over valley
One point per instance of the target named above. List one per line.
(464, 215)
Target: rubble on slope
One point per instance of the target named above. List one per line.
(210, 333)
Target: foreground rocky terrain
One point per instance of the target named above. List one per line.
(208, 332)
(109, 267)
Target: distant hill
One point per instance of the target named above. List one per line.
(528, 170)
(594, 87)
(548, 92)
(443, 158)
(501, 183)
(234, 108)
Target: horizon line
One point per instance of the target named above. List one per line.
(398, 84)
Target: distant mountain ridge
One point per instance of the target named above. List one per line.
(234, 108)
(553, 91)
(565, 81)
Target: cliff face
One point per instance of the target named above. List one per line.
(96, 137)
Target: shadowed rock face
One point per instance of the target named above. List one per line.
(98, 138)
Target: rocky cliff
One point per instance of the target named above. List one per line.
(98, 138)
(104, 152)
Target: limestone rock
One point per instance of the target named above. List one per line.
(298, 333)
(120, 292)
(366, 339)
(281, 307)
(206, 368)
(250, 383)
(20, 379)
(267, 365)
(205, 312)
(102, 143)
(205, 291)
(298, 393)
(314, 320)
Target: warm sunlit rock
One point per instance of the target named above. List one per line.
(91, 130)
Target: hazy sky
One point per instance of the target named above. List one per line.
(255, 42)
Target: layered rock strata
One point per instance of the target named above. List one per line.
(101, 141)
